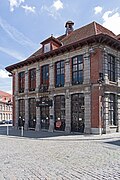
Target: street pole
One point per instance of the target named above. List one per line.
(7, 129)
(22, 131)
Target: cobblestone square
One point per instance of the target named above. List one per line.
(60, 158)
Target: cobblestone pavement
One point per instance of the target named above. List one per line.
(60, 158)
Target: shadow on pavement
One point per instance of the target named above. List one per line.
(117, 143)
(73, 136)
(31, 133)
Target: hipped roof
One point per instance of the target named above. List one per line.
(90, 33)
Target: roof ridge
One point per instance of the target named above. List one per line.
(104, 28)
(95, 27)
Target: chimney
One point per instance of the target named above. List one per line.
(69, 27)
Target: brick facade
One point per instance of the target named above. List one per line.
(97, 92)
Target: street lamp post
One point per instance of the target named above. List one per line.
(100, 82)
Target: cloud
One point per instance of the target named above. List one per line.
(57, 5)
(98, 9)
(53, 9)
(112, 21)
(12, 53)
(28, 8)
(3, 74)
(15, 3)
(16, 35)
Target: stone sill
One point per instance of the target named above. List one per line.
(112, 83)
(112, 127)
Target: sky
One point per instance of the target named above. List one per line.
(24, 24)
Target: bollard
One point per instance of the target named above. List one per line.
(7, 130)
(22, 131)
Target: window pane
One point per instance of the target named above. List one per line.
(75, 76)
(58, 65)
(75, 67)
(58, 71)
(80, 76)
(62, 79)
(58, 80)
(75, 60)
(80, 66)
(62, 71)
(62, 63)
(80, 59)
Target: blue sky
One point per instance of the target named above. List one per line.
(26, 23)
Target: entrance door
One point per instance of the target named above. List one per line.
(21, 120)
(77, 120)
(60, 112)
(45, 120)
(32, 113)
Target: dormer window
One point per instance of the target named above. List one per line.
(46, 47)
(50, 44)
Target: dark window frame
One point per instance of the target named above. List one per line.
(59, 109)
(111, 67)
(45, 75)
(44, 113)
(60, 73)
(112, 110)
(21, 81)
(32, 113)
(77, 70)
(32, 79)
(77, 112)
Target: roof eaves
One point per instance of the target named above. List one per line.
(94, 38)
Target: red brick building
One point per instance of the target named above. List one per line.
(71, 84)
(5, 106)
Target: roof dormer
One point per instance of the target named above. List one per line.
(50, 44)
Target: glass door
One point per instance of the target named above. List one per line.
(77, 120)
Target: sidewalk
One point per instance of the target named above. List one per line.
(56, 135)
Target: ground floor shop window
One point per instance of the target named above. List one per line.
(112, 110)
(32, 113)
(77, 110)
(60, 112)
(44, 114)
(21, 119)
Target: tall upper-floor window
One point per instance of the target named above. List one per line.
(0, 107)
(45, 75)
(77, 69)
(32, 79)
(60, 74)
(111, 68)
(21, 81)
